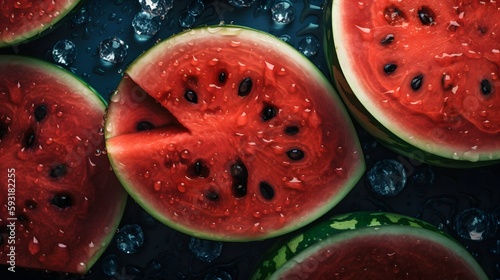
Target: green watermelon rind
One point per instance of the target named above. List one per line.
(35, 33)
(389, 137)
(287, 252)
(95, 100)
(230, 30)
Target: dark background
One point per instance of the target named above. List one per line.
(165, 254)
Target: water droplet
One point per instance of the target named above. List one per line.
(186, 20)
(81, 17)
(145, 25)
(242, 119)
(157, 185)
(309, 46)
(205, 250)
(387, 177)
(130, 238)
(181, 187)
(110, 265)
(64, 52)
(218, 274)
(113, 50)
(495, 249)
(475, 224)
(285, 38)
(283, 12)
(196, 7)
(33, 246)
(241, 3)
(423, 177)
(156, 7)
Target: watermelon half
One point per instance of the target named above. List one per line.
(369, 245)
(422, 76)
(228, 133)
(21, 20)
(60, 201)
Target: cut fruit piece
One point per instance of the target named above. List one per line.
(228, 133)
(61, 202)
(21, 20)
(422, 76)
(365, 245)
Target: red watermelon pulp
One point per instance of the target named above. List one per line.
(369, 245)
(60, 201)
(422, 76)
(228, 133)
(21, 20)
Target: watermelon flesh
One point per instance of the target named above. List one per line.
(422, 76)
(21, 20)
(55, 216)
(227, 133)
(366, 245)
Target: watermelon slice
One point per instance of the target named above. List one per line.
(60, 201)
(422, 76)
(21, 20)
(366, 245)
(228, 133)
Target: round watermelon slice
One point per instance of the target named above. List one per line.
(366, 245)
(60, 201)
(21, 20)
(228, 133)
(422, 76)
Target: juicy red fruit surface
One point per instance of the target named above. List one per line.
(247, 145)
(58, 168)
(431, 66)
(382, 257)
(20, 17)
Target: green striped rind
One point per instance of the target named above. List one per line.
(369, 122)
(339, 228)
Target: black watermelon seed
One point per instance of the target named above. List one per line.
(31, 204)
(222, 77)
(57, 171)
(245, 87)
(62, 201)
(482, 29)
(387, 40)
(485, 87)
(212, 195)
(29, 139)
(292, 130)
(266, 190)
(144, 125)
(268, 112)
(191, 96)
(416, 82)
(239, 171)
(40, 112)
(199, 169)
(295, 154)
(426, 16)
(239, 190)
(390, 67)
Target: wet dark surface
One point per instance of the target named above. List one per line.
(436, 195)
